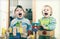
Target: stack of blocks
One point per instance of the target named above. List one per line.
(15, 32)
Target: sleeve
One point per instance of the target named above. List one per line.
(13, 23)
(29, 26)
(52, 24)
(39, 21)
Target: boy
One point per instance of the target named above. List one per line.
(47, 22)
(19, 16)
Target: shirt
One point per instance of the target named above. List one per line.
(25, 23)
(49, 22)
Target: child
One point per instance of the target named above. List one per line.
(19, 14)
(47, 22)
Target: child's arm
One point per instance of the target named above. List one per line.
(52, 24)
(14, 31)
(13, 23)
(29, 26)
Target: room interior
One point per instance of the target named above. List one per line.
(35, 6)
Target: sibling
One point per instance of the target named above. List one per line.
(19, 14)
(47, 22)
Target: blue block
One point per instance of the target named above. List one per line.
(18, 36)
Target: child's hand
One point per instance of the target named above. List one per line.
(44, 26)
(14, 31)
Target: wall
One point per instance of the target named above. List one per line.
(3, 14)
(25, 3)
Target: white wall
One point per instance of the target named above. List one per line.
(56, 10)
(25, 3)
(3, 14)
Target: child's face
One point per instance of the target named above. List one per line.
(46, 11)
(19, 12)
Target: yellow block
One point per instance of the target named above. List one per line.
(21, 30)
(10, 30)
(3, 31)
(32, 36)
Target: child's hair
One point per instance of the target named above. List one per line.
(49, 7)
(19, 6)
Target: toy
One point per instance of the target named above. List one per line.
(18, 36)
(10, 30)
(31, 35)
(35, 27)
(11, 36)
(14, 34)
(3, 31)
(19, 27)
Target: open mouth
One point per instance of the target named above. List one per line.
(20, 14)
(46, 13)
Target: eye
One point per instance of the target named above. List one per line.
(20, 10)
(47, 10)
(17, 10)
(44, 10)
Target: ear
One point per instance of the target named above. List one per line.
(14, 14)
(51, 13)
(42, 12)
(24, 14)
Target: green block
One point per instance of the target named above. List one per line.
(10, 34)
(17, 24)
(44, 37)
